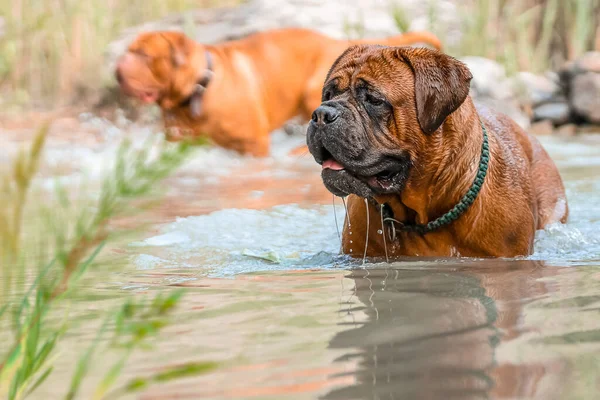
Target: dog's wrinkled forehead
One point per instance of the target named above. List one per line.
(157, 44)
(376, 65)
(438, 83)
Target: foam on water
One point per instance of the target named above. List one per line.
(237, 240)
(231, 241)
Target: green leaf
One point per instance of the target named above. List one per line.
(83, 267)
(111, 376)
(170, 374)
(3, 310)
(40, 380)
(84, 362)
(45, 352)
(182, 371)
(264, 255)
(136, 384)
(170, 302)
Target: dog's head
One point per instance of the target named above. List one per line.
(161, 67)
(379, 106)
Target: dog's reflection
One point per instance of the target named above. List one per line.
(435, 334)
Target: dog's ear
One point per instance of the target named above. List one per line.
(441, 84)
(179, 47)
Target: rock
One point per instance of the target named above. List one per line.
(589, 62)
(537, 89)
(340, 19)
(581, 80)
(490, 86)
(557, 112)
(567, 130)
(542, 128)
(584, 96)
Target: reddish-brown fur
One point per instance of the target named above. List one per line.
(522, 191)
(260, 82)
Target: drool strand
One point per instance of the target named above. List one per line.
(337, 227)
(387, 260)
(368, 227)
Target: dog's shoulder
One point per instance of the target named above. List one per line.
(516, 143)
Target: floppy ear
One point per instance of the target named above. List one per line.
(441, 84)
(179, 47)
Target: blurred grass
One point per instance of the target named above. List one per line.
(523, 35)
(50, 48)
(42, 261)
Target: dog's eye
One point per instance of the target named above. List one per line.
(327, 95)
(372, 100)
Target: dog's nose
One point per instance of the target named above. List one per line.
(325, 115)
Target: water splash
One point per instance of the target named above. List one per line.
(240, 240)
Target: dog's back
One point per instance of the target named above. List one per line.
(407, 39)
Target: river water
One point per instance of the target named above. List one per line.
(269, 298)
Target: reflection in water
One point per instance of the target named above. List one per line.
(434, 333)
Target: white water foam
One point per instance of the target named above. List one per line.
(239, 240)
(232, 241)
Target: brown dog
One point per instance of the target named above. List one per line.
(236, 92)
(398, 132)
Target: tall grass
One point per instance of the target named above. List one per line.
(73, 234)
(525, 35)
(49, 48)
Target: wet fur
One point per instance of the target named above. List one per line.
(437, 125)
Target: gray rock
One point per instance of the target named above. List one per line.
(557, 112)
(589, 62)
(584, 96)
(490, 86)
(537, 89)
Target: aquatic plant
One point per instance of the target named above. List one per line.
(74, 236)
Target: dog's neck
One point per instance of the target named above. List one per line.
(189, 85)
(444, 172)
(194, 100)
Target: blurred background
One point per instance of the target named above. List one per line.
(60, 53)
(102, 223)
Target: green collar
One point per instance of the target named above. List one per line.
(458, 210)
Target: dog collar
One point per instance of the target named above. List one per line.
(193, 100)
(458, 210)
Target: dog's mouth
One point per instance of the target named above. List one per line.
(145, 95)
(134, 81)
(382, 180)
(390, 177)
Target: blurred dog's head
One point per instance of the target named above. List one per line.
(379, 106)
(165, 68)
(160, 67)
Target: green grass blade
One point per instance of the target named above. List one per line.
(84, 362)
(40, 380)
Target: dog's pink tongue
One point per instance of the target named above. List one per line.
(332, 164)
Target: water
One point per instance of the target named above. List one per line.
(270, 299)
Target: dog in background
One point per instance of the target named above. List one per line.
(236, 93)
